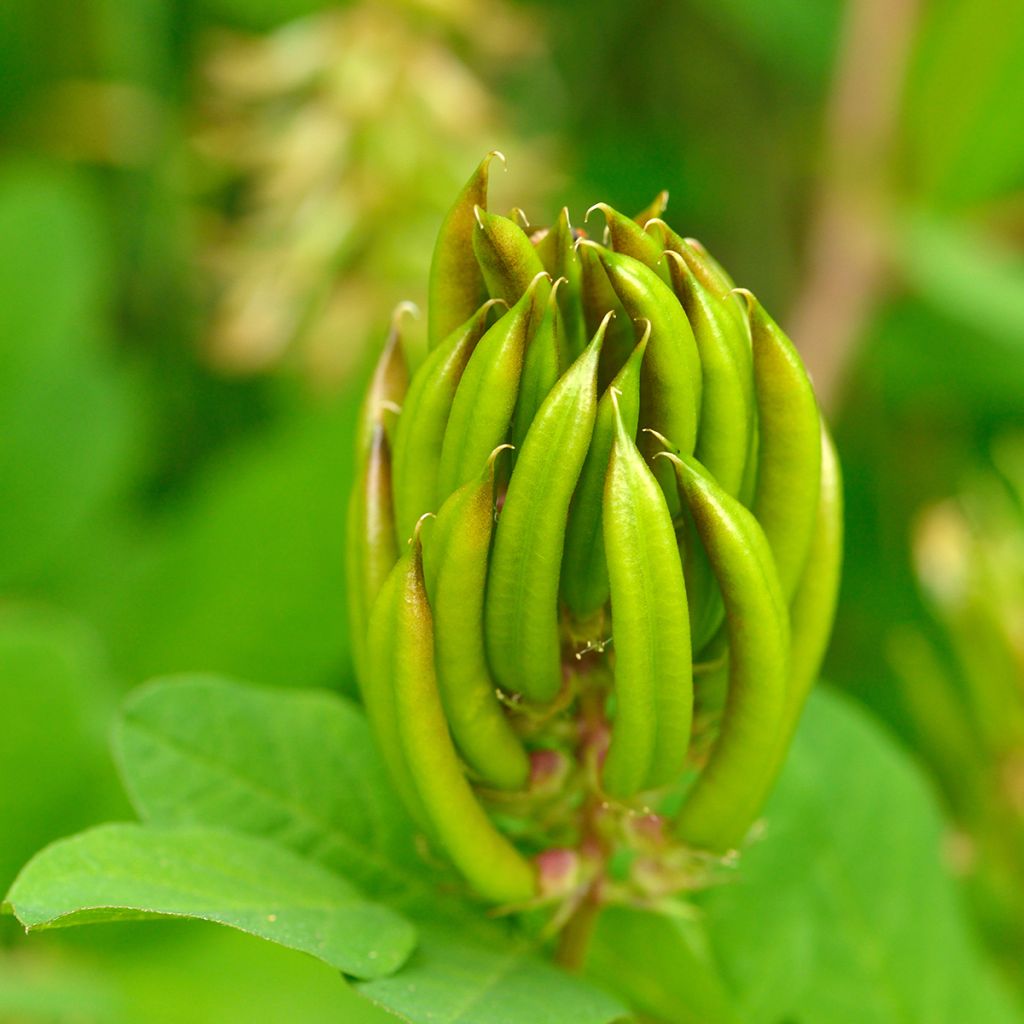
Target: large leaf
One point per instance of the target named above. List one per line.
(844, 912)
(128, 872)
(297, 767)
(301, 767)
(453, 980)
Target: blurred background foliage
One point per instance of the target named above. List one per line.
(208, 210)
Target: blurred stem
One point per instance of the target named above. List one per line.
(846, 246)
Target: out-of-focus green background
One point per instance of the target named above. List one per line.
(207, 211)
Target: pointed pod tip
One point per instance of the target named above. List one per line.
(404, 308)
(496, 153)
(415, 540)
(493, 457)
(478, 213)
(603, 207)
(518, 214)
(670, 448)
(536, 278)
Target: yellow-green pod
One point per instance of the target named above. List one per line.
(377, 687)
(655, 208)
(505, 255)
(727, 392)
(486, 395)
(521, 617)
(420, 430)
(584, 572)
(813, 606)
(728, 794)
(371, 548)
(598, 299)
(556, 249)
(485, 858)
(789, 446)
(628, 237)
(650, 628)
(481, 730)
(541, 366)
(388, 385)
(456, 286)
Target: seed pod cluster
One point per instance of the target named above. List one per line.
(594, 551)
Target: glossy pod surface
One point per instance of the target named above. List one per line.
(618, 621)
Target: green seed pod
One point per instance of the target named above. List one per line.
(629, 238)
(420, 431)
(371, 548)
(459, 548)
(584, 572)
(557, 252)
(456, 282)
(486, 396)
(482, 854)
(521, 621)
(728, 794)
(789, 447)
(626, 612)
(653, 677)
(388, 384)
(655, 208)
(542, 366)
(506, 256)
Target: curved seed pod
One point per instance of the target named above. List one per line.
(377, 687)
(598, 299)
(706, 268)
(556, 251)
(653, 672)
(541, 366)
(671, 398)
(789, 446)
(814, 603)
(655, 208)
(371, 548)
(584, 572)
(727, 796)
(629, 238)
(521, 620)
(727, 398)
(419, 432)
(488, 861)
(479, 726)
(388, 384)
(486, 395)
(505, 255)
(456, 285)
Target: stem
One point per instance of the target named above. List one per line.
(574, 940)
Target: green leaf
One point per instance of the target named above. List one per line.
(300, 768)
(968, 276)
(130, 872)
(451, 980)
(843, 911)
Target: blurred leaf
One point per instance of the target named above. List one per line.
(797, 39)
(966, 276)
(127, 872)
(32, 992)
(843, 911)
(55, 697)
(246, 574)
(300, 768)
(965, 132)
(66, 420)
